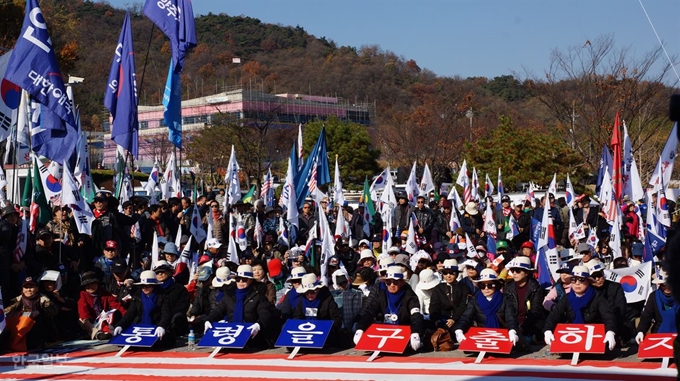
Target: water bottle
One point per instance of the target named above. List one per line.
(191, 340)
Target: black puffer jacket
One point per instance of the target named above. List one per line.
(178, 297)
(160, 315)
(375, 307)
(597, 311)
(256, 308)
(328, 310)
(507, 314)
(448, 301)
(535, 317)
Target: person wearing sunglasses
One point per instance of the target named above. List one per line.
(529, 296)
(290, 300)
(489, 308)
(613, 293)
(449, 299)
(583, 305)
(244, 304)
(149, 306)
(317, 303)
(661, 310)
(394, 302)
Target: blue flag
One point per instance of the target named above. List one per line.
(545, 278)
(294, 159)
(176, 19)
(535, 231)
(653, 244)
(605, 162)
(318, 157)
(51, 136)
(121, 93)
(172, 105)
(33, 65)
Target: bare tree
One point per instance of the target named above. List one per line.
(585, 86)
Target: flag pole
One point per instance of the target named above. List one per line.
(15, 174)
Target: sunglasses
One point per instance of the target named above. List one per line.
(311, 292)
(484, 286)
(449, 272)
(390, 282)
(239, 279)
(578, 279)
(296, 281)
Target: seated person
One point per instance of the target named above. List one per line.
(33, 306)
(529, 296)
(317, 303)
(94, 303)
(489, 308)
(67, 319)
(660, 310)
(395, 303)
(449, 299)
(149, 306)
(582, 305)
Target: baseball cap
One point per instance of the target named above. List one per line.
(213, 243)
(119, 266)
(111, 244)
(204, 273)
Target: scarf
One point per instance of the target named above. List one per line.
(394, 301)
(31, 304)
(293, 298)
(98, 213)
(507, 212)
(579, 303)
(159, 229)
(668, 310)
(96, 303)
(490, 308)
(219, 296)
(148, 304)
(306, 304)
(168, 282)
(240, 303)
(216, 215)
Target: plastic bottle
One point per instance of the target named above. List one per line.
(191, 340)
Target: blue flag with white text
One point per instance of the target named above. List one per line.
(176, 19)
(172, 106)
(33, 65)
(51, 137)
(121, 92)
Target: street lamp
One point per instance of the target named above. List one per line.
(469, 114)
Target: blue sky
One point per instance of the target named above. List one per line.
(468, 38)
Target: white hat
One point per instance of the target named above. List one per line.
(53, 276)
(581, 271)
(222, 277)
(660, 277)
(471, 263)
(450, 264)
(364, 242)
(213, 243)
(487, 275)
(594, 265)
(521, 262)
(366, 254)
(396, 273)
(309, 282)
(163, 266)
(296, 274)
(394, 249)
(245, 271)
(419, 255)
(471, 208)
(427, 280)
(147, 277)
(385, 263)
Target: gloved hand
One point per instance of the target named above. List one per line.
(117, 331)
(610, 338)
(207, 327)
(254, 329)
(357, 336)
(548, 337)
(514, 339)
(160, 331)
(460, 337)
(415, 341)
(639, 337)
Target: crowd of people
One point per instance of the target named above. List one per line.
(70, 286)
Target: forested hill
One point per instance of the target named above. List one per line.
(574, 100)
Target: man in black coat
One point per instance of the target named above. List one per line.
(175, 294)
(613, 293)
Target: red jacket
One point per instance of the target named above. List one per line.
(86, 302)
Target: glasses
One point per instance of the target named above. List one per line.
(239, 279)
(484, 286)
(420, 202)
(296, 281)
(311, 292)
(390, 282)
(578, 279)
(214, 206)
(449, 272)
(597, 275)
(147, 286)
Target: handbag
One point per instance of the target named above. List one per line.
(441, 340)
